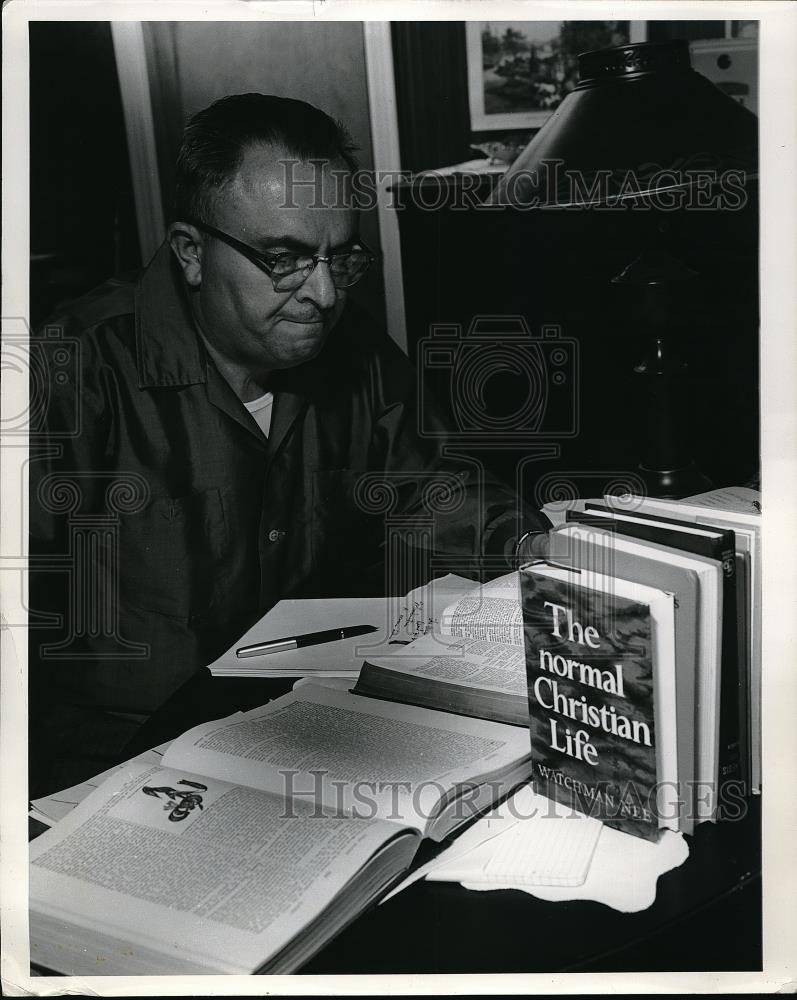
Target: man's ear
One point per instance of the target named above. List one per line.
(186, 242)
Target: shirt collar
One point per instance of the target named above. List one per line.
(169, 350)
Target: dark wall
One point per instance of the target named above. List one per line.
(82, 213)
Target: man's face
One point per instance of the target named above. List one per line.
(252, 326)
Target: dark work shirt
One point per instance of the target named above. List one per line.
(163, 523)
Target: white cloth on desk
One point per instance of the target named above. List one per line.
(623, 874)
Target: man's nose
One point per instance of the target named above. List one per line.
(319, 288)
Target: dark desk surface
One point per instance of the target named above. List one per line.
(706, 917)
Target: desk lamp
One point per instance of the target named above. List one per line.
(642, 130)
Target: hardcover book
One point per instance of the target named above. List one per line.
(732, 510)
(691, 581)
(258, 837)
(719, 544)
(472, 664)
(738, 509)
(600, 660)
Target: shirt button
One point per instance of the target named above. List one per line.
(274, 535)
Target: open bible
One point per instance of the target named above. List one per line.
(474, 665)
(258, 837)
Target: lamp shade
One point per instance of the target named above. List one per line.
(640, 122)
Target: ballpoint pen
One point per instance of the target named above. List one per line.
(308, 639)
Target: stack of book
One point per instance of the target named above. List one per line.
(661, 542)
(632, 651)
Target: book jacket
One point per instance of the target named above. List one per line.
(591, 687)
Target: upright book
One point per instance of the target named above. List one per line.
(693, 582)
(737, 509)
(600, 657)
(716, 544)
(258, 837)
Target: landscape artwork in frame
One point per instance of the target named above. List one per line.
(520, 71)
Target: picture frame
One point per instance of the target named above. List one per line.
(519, 71)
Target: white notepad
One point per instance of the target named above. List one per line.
(544, 850)
(551, 847)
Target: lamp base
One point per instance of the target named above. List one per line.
(673, 484)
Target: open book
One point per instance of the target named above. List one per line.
(475, 665)
(257, 838)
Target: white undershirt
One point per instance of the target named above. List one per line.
(260, 409)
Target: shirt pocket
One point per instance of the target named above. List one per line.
(172, 555)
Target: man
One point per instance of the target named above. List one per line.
(234, 432)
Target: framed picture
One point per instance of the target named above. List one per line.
(520, 71)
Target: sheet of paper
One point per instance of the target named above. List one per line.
(540, 842)
(49, 809)
(290, 618)
(397, 619)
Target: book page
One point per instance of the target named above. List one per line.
(490, 612)
(211, 874)
(358, 756)
(49, 809)
(421, 612)
(734, 499)
(701, 508)
(469, 663)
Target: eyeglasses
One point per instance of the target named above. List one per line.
(290, 270)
